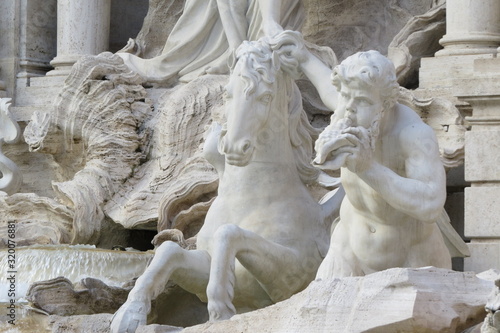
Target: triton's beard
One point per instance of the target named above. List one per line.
(374, 129)
(332, 139)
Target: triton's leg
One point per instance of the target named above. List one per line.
(190, 269)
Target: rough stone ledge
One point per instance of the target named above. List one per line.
(423, 300)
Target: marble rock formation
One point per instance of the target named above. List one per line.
(59, 297)
(39, 220)
(95, 152)
(174, 185)
(134, 171)
(80, 324)
(99, 324)
(158, 23)
(422, 300)
(418, 38)
(352, 26)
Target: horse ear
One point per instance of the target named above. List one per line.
(276, 60)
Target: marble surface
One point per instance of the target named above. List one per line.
(11, 178)
(248, 255)
(390, 169)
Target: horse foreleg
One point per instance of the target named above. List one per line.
(188, 268)
(281, 271)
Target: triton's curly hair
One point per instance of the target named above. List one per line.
(371, 68)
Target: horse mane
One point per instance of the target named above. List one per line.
(261, 63)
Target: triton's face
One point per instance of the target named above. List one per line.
(360, 103)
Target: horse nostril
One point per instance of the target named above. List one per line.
(246, 146)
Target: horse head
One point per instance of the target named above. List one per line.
(260, 88)
(263, 107)
(249, 96)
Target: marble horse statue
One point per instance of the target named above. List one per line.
(264, 236)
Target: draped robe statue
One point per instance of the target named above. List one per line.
(207, 32)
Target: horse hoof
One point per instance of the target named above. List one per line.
(218, 311)
(128, 317)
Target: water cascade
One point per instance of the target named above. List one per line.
(44, 262)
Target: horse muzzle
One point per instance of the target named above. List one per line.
(238, 153)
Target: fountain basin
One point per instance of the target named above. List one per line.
(74, 262)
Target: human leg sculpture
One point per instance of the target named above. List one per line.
(271, 17)
(188, 268)
(234, 21)
(280, 271)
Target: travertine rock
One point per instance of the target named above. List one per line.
(59, 297)
(422, 300)
(122, 159)
(397, 300)
(81, 324)
(98, 114)
(98, 323)
(418, 38)
(175, 186)
(39, 220)
(158, 23)
(158, 329)
(350, 26)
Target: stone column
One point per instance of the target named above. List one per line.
(468, 68)
(472, 27)
(82, 28)
(472, 32)
(482, 161)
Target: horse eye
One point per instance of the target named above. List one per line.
(266, 98)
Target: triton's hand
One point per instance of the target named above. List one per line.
(361, 155)
(329, 150)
